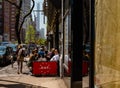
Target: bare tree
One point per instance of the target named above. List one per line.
(18, 24)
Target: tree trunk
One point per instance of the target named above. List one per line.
(17, 23)
(16, 28)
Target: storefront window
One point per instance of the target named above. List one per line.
(67, 49)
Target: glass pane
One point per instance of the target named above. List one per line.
(67, 50)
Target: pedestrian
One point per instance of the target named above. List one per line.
(20, 58)
(32, 59)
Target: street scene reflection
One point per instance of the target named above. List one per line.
(47, 44)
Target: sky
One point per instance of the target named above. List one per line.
(42, 24)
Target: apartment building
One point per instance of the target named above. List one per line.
(1, 20)
(9, 12)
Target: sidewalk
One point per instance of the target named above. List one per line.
(10, 79)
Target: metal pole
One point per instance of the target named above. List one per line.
(92, 28)
(62, 57)
(77, 42)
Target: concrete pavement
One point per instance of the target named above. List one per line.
(10, 79)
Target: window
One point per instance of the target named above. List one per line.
(1, 19)
(12, 29)
(12, 16)
(13, 9)
(12, 37)
(12, 26)
(12, 23)
(0, 11)
(0, 24)
(12, 19)
(13, 6)
(0, 6)
(13, 12)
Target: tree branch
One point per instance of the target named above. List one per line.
(13, 3)
(27, 15)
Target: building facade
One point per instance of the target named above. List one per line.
(42, 33)
(26, 5)
(59, 28)
(12, 23)
(8, 20)
(68, 29)
(9, 12)
(1, 20)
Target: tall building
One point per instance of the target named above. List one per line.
(7, 19)
(12, 22)
(38, 18)
(26, 5)
(9, 12)
(42, 33)
(35, 25)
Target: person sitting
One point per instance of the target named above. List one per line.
(41, 53)
(50, 54)
(56, 56)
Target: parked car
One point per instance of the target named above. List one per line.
(14, 50)
(5, 55)
(4, 43)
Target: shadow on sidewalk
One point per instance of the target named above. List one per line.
(14, 84)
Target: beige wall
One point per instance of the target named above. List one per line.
(107, 43)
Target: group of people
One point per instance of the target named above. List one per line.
(38, 54)
(43, 55)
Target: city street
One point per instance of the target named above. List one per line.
(10, 79)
